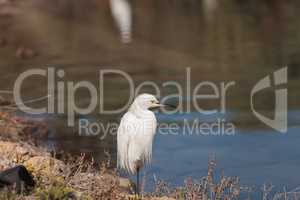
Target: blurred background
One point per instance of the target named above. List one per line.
(220, 40)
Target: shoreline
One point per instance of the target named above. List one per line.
(73, 177)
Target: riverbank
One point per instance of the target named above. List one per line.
(61, 176)
(65, 178)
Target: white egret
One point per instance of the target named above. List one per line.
(121, 12)
(135, 135)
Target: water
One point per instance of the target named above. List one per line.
(258, 156)
(229, 41)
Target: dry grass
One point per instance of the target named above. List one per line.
(205, 188)
(97, 182)
(85, 180)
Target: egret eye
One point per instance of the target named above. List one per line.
(152, 101)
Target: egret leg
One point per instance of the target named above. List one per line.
(138, 182)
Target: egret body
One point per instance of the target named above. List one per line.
(135, 135)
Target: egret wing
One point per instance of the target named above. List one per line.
(124, 136)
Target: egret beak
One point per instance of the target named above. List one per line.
(170, 105)
(157, 105)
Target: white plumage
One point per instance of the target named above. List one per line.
(121, 12)
(136, 133)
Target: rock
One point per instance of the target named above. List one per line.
(46, 166)
(11, 178)
(18, 152)
(36, 160)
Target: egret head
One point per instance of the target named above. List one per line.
(147, 101)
